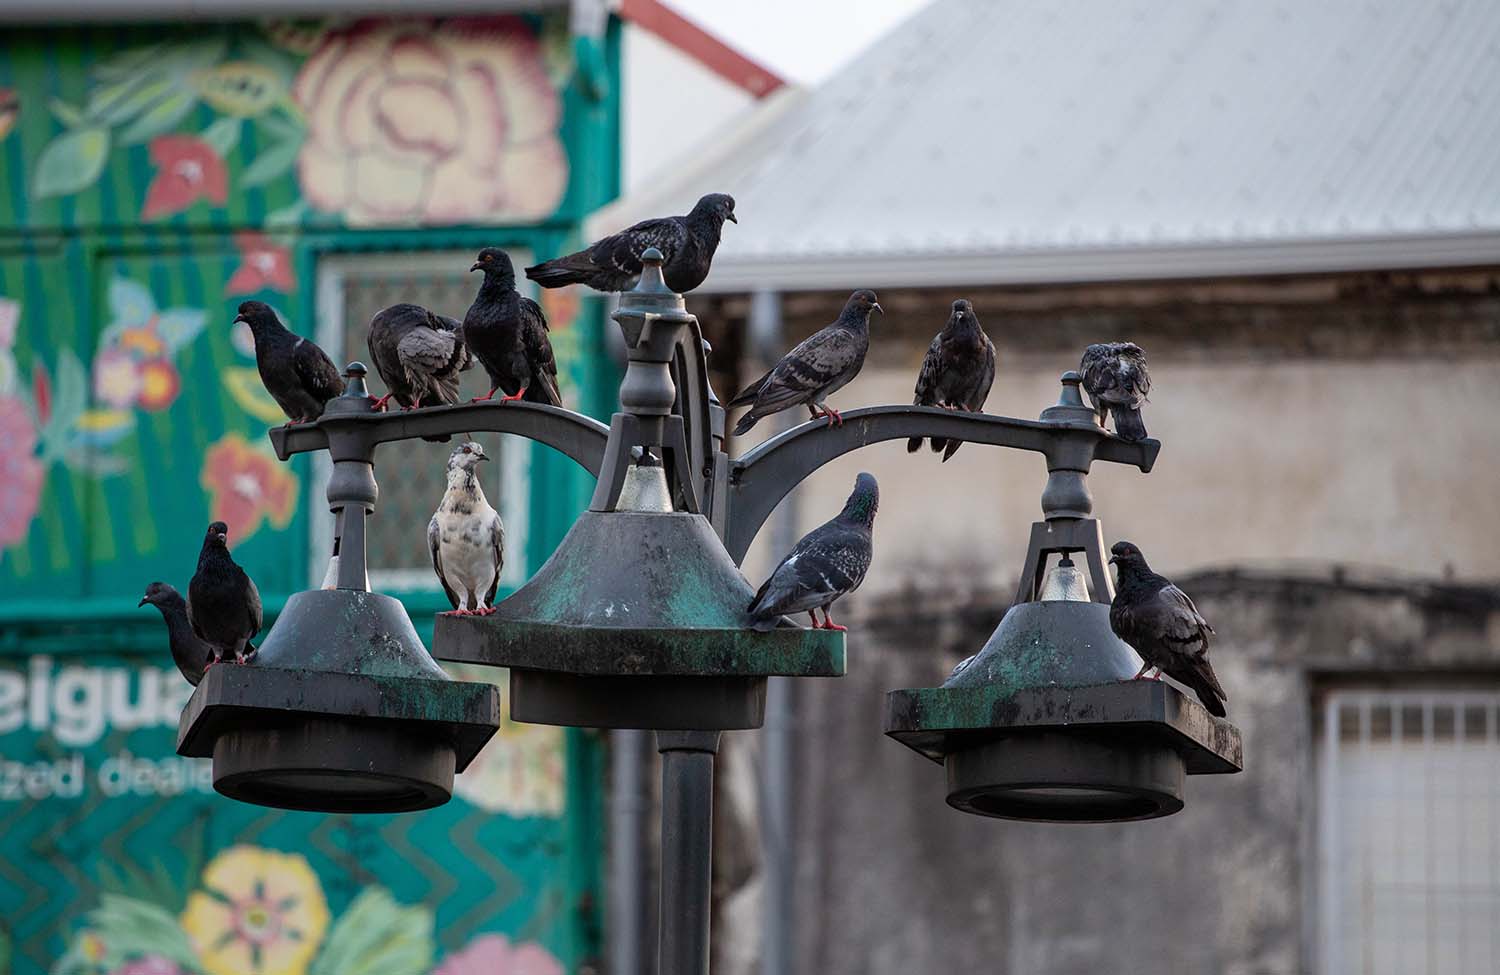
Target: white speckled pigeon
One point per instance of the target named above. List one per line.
(957, 372)
(1163, 625)
(466, 537)
(223, 603)
(687, 246)
(819, 366)
(1115, 377)
(299, 376)
(507, 332)
(190, 654)
(830, 561)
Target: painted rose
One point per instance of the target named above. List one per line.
(493, 954)
(263, 266)
(21, 472)
(247, 486)
(411, 122)
(187, 170)
(260, 913)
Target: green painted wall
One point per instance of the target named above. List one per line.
(151, 178)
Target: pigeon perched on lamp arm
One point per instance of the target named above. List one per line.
(1161, 623)
(819, 366)
(466, 537)
(191, 654)
(829, 562)
(418, 354)
(687, 245)
(223, 603)
(295, 371)
(1115, 377)
(957, 372)
(507, 333)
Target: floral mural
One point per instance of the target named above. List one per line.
(259, 912)
(247, 486)
(264, 265)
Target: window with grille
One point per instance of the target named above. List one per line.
(351, 289)
(1409, 833)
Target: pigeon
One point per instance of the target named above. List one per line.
(830, 561)
(508, 333)
(418, 354)
(820, 365)
(297, 374)
(1164, 627)
(1115, 377)
(466, 537)
(957, 372)
(223, 604)
(191, 654)
(687, 246)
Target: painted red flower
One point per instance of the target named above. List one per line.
(246, 485)
(20, 472)
(263, 265)
(187, 170)
(160, 385)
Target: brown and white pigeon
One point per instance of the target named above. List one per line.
(819, 366)
(1161, 623)
(418, 354)
(1115, 377)
(299, 376)
(223, 603)
(507, 332)
(191, 654)
(829, 562)
(957, 372)
(687, 246)
(466, 537)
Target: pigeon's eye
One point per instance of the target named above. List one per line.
(467, 450)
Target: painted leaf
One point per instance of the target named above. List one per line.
(127, 62)
(132, 928)
(377, 936)
(243, 383)
(185, 58)
(280, 128)
(69, 116)
(179, 326)
(257, 49)
(159, 118)
(223, 135)
(68, 403)
(241, 88)
(288, 216)
(130, 302)
(70, 162)
(121, 101)
(271, 163)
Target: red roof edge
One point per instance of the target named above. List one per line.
(699, 44)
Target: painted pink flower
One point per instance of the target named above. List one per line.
(20, 472)
(421, 123)
(149, 965)
(493, 954)
(187, 170)
(117, 378)
(263, 265)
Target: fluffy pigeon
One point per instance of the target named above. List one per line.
(1115, 377)
(957, 372)
(507, 332)
(418, 354)
(297, 374)
(1163, 625)
(466, 537)
(687, 246)
(830, 561)
(223, 604)
(820, 365)
(191, 654)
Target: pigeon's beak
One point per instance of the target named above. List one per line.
(877, 307)
(240, 320)
(475, 266)
(222, 537)
(731, 218)
(483, 455)
(1114, 560)
(143, 602)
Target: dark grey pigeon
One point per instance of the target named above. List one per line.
(223, 604)
(507, 333)
(191, 654)
(1164, 627)
(830, 561)
(419, 355)
(957, 372)
(1115, 377)
(820, 365)
(299, 376)
(687, 246)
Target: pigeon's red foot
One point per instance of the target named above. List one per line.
(456, 612)
(485, 611)
(379, 404)
(834, 417)
(829, 624)
(511, 399)
(486, 397)
(416, 404)
(836, 626)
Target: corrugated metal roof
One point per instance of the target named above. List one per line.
(999, 140)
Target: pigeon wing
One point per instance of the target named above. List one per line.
(543, 385)
(814, 364)
(254, 610)
(981, 390)
(927, 378)
(497, 542)
(825, 565)
(317, 372)
(435, 545)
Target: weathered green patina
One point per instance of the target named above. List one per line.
(1050, 644)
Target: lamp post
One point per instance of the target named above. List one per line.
(638, 620)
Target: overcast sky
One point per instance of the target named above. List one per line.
(802, 40)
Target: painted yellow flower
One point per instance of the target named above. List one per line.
(260, 912)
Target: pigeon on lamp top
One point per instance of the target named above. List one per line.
(191, 654)
(1161, 623)
(299, 376)
(687, 246)
(957, 372)
(223, 604)
(830, 561)
(819, 366)
(507, 333)
(418, 354)
(466, 537)
(1115, 377)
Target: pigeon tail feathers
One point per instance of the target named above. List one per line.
(1128, 422)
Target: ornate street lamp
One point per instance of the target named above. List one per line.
(639, 620)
